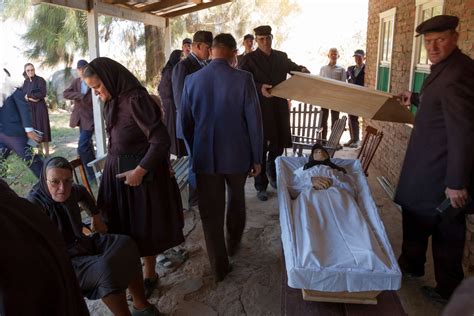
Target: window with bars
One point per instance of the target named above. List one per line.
(386, 31)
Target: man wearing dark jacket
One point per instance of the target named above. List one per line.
(200, 51)
(356, 75)
(269, 67)
(439, 161)
(82, 115)
(222, 126)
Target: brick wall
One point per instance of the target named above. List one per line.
(389, 156)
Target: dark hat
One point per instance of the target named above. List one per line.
(81, 63)
(438, 23)
(249, 36)
(187, 41)
(263, 30)
(359, 52)
(203, 37)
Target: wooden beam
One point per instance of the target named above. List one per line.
(82, 5)
(108, 9)
(115, 1)
(201, 6)
(163, 4)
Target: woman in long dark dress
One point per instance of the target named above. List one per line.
(105, 264)
(165, 90)
(138, 196)
(35, 89)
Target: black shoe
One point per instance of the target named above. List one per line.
(221, 276)
(433, 294)
(150, 286)
(232, 247)
(262, 195)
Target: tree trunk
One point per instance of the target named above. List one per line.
(155, 53)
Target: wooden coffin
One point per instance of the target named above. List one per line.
(343, 97)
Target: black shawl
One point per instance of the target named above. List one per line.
(311, 162)
(36, 275)
(175, 57)
(66, 216)
(118, 80)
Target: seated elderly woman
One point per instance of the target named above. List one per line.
(105, 264)
(333, 238)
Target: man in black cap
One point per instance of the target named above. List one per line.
(186, 47)
(269, 67)
(200, 52)
(356, 75)
(439, 161)
(248, 46)
(82, 115)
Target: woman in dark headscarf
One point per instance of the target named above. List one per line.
(35, 89)
(138, 196)
(105, 265)
(36, 276)
(165, 90)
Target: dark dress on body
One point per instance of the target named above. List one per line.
(36, 276)
(165, 90)
(150, 213)
(104, 264)
(36, 88)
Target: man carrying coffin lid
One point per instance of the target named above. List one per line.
(439, 160)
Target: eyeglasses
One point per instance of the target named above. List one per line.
(57, 182)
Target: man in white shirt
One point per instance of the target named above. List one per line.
(336, 72)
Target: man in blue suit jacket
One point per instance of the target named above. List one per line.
(222, 126)
(16, 127)
(202, 41)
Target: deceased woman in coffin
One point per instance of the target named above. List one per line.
(330, 229)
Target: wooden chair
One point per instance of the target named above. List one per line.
(370, 144)
(306, 124)
(82, 179)
(331, 145)
(98, 165)
(77, 164)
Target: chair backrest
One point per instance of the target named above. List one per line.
(82, 178)
(98, 165)
(306, 121)
(370, 144)
(336, 134)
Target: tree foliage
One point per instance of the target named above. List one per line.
(56, 34)
(238, 17)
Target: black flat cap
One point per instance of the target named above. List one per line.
(248, 36)
(439, 23)
(187, 41)
(263, 30)
(359, 52)
(203, 37)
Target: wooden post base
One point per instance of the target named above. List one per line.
(369, 297)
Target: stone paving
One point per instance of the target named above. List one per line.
(253, 287)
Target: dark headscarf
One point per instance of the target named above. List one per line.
(65, 215)
(117, 79)
(36, 275)
(175, 57)
(311, 162)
